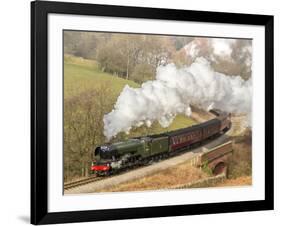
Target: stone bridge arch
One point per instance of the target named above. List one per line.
(217, 158)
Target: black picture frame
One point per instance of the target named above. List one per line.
(39, 112)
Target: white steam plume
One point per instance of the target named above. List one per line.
(172, 93)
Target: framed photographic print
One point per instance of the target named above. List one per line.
(145, 112)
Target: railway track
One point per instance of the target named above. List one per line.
(81, 182)
(91, 179)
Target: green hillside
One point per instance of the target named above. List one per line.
(81, 75)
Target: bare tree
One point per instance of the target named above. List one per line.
(83, 129)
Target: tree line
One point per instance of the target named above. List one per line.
(130, 56)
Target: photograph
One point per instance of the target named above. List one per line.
(147, 112)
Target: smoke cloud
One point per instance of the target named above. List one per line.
(173, 92)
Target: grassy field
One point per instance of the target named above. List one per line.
(240, 181)
(176, 175)
(81, 75)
